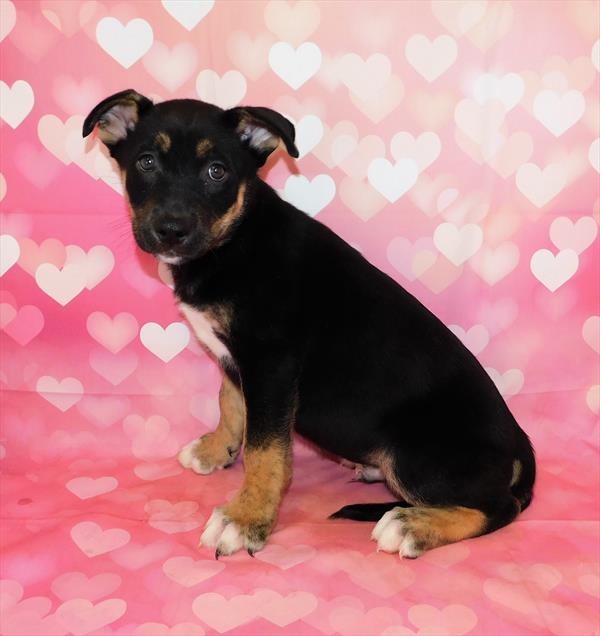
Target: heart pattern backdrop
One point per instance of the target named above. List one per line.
(456, 144)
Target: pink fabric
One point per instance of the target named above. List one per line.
(486, 209)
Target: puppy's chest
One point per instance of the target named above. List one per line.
(210, 326)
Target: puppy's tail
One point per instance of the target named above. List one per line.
(367, 511)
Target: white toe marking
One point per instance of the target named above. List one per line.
(186, 454)
(391, 535)
(231, 540)
(213, 529)
(188, 459)
(407, 547)
(382, 523)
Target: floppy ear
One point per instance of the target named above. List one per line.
(261, 129)
(116, 116)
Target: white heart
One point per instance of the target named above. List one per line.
(309, 196)
(96, 264)
(458, 245)
(476, 339)
(365, 78)
(63, 395)
(226, 91)
(9, 252)
(576, 236)
(16, 102)
(126, 44)
(493, 264)
(540, 186)
(60, 284)
(188, 12)
(165, 343)
(87, 487)
(172, 67)
(509, 383)
(295, 66)
(553, 271)
(392, 181)
(424, 150)
(558, 112)
(508, 89)
(309, 132)
(431, 59)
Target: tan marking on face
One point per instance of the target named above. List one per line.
(220, 228)
(203, 147)
(163, 141)
(384, 460)
(222, 446)
(516, 474)
(268, 471)
(433, 527)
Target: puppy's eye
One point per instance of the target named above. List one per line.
(217, 171)
(146, 163)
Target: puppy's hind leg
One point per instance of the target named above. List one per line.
(412, 531)
(220, 448)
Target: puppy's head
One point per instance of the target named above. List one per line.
(186, 166)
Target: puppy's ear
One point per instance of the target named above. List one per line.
(116, 116)
(261, 129)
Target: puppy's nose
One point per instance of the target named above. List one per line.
(171, 230)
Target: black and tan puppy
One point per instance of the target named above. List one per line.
(311, 338)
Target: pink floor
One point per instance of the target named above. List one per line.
(465, 167)
(99, 536)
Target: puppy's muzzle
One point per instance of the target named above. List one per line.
(171, 231)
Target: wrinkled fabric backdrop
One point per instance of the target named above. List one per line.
(456, 144)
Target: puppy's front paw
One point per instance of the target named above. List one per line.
(228, 535)
(207, 454)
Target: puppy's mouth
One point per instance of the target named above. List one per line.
(170, 259)
(172, 252)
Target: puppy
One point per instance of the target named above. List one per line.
(311, 338)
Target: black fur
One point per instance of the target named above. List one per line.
(321, 340)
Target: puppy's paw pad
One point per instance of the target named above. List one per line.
(393, 534)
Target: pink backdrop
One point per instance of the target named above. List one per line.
(457, 145)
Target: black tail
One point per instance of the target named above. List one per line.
(367, 511)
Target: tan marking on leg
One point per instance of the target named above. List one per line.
(432, 527)
(385, 462)
(203, 147)
(163, 141)
(516, 474)
(221, 447)
(221, 227)
(268, 472)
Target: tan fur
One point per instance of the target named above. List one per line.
(222, 446)
(203, 147)
(163, 141)
(433, 527)
(517, 469)
(268, 471)
(220, 228)
(385, 462)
